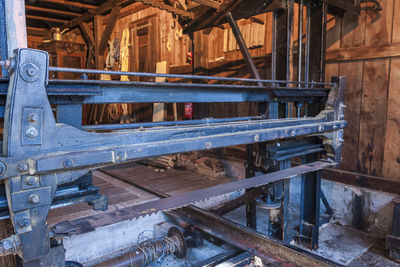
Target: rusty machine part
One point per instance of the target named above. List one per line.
(151, 250)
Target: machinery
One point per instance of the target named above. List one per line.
(47, 158)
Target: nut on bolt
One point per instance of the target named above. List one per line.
(24, 222)
(31, 71)
(34, 198)
(22, 167)
(31, 180)
(31, 132)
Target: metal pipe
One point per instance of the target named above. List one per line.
(308, 43)
(167, 123)
(15, 25)
(300, 40)
(163, 75)
(186, 85)
(243, 48)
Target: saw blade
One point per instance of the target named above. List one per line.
(190, 198)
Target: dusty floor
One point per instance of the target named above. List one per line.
(344, 245)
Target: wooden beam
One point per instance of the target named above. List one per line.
(362, 180)
(208, 19)
(112, 19)
(98, 30)
(163, 6)
(70, 3)
(87, 34)
(134, 8)
(209, 3)
(45, 19)
(367, 52)
(52, 11)
(102, 9)
(347, 6)
(37, 31)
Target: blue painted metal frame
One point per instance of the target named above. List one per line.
(58, 153)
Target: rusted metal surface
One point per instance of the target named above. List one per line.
(150, 251)
(185, 199)
(246, 239)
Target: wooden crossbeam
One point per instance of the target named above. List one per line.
(209, 3)
(102, 9)
(37, 31)
(45, 19)
(112, 19)
(168, 8)
(70, 3)
(52, 11)
(87, 34)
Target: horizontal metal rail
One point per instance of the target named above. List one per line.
(180, 76)
(98, 150)
(205, 121)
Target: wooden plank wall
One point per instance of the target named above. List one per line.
(372, 91)
(365, 49)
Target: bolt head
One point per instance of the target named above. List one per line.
(31, 132)
(31, 72)
(67, 164)
(24, 222)
(208, 145)
(22, 167)
(33, 117)
(31, 180)
(256, 138)
(34, 198)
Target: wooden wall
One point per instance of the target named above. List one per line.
(365, 50)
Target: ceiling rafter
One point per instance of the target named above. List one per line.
(52, 11)
(70, 3)
(46, 19)
(103, 8)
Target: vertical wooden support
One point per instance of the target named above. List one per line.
(98, 32)
(159, 108)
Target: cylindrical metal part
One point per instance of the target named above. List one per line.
(15, 25)
(149, 251)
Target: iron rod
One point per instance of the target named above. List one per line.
(166, 123)
(307, 53)
(196, 77)
(300, 41)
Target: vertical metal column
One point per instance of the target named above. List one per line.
(251, 209)
(15, 25)
(3, 37)
(315, 71)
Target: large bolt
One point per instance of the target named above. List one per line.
(208, 145)
(31, 132)
(34, 198)
(22, 167)
(31, 72)
(3, 168)
(31, 180)
(67, 164)
(33, 117)
(24, 222)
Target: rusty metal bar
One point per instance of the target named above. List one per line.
(243, 48)
(246, 239)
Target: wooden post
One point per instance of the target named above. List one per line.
(159, 108)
